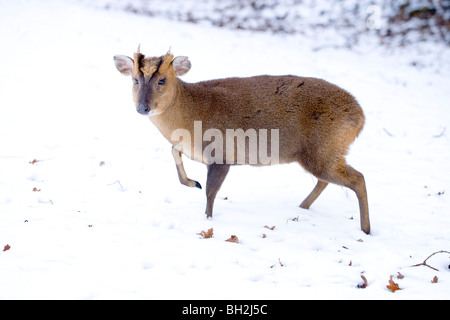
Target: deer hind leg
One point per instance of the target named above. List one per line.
(342, 174)
(320, 186)
(181, 172)
(216, 176)
(345, 175)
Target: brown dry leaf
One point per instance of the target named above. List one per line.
(360, 240)
(364, 284)
(264, 235)
(208, 234)
(270, 228)
(392, 285)
(435, 280)
(400, 276)
(36, 189)
(102, 163)
(34, 161)
(7, 247)
(280, 262)
(233, 238)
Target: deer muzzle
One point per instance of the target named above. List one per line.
(143, 109)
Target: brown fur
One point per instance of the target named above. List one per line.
(317, 120)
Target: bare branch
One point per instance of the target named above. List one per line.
(424, 263)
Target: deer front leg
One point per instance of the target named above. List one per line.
(215, 178)
(180, 170)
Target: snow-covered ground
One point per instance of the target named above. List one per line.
(108, 218)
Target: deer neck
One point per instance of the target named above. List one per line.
(178, 115)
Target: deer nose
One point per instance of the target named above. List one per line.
(143, 109)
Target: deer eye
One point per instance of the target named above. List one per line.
(136, 81)
(162, 81)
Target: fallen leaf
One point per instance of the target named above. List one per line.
(233, 238)
(270, 228)
(400, 276)
(102, 163)
(208, 234)
(392, 285)
(364, 284)
(264, 235)
(7, 247)
(34, 161)
(36, 189)
(350, 264)
(279, 262)
(360, 240)
(435, 280)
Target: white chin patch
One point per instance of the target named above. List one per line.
(152, 113)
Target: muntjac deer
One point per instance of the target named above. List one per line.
(312, 122)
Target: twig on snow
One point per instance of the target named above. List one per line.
(117, 181)
(424, 263)
(440, 134)
(388, 133)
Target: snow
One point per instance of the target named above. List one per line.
(112, 221)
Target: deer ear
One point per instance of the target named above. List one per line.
(181, 65)
(124, 64)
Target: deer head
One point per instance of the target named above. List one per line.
(154, 79)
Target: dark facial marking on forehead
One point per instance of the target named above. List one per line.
(149, 66)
